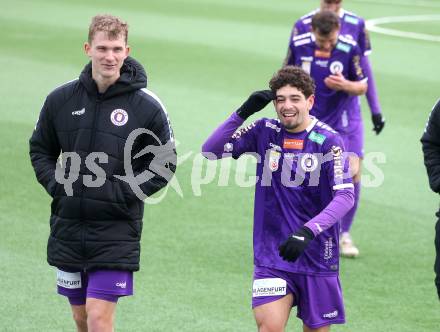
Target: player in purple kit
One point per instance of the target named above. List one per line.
(352, 27)
(302, 190)
(338, 67)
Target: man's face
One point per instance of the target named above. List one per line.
(293, 108)
(332, 5)
(326, 42)
(107, 55)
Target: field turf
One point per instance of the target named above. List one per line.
(203, 58)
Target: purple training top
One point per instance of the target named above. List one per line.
(302, 180)
(331, 106)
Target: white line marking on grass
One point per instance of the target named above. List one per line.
(372, 25)
(412, 3)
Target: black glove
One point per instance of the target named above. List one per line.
(256, 102)
(378, 123)
(294, 246)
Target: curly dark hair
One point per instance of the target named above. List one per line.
(325, 22)
(295, 77)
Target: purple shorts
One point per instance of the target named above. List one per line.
(106, 285)
(318, 298)
(354, 138)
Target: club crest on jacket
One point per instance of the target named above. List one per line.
(119, 117)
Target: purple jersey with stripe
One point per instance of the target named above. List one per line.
(331, 106)
(352, 27)
(298, 176)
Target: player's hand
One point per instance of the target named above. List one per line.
(294, 246)
(335, 82)
(378, 123)
(255, 103)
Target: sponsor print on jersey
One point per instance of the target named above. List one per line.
(316, 137)
(328, 249)
(357, 66)
(321, 63)
(290, 156)
(68, 279)
(338, 167)
(269, 287)
(309, 162)
(243, 130)
(119, 117)
(336, 67)
(293, 144)
(322, 54)
(343, 47)
(274, 160)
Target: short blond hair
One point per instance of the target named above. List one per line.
(112, 25)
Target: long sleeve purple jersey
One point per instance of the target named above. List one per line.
(302, 179)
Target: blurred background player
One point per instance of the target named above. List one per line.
(352, 27)
(431, 152)
(335, 63)
(296, 228)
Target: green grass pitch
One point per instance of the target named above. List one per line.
(203, 58)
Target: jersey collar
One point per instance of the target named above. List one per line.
(312, 124)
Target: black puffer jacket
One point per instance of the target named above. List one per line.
(99, 228)
(431, 148)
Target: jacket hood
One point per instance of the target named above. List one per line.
(133, 77)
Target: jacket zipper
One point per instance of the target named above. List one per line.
(84, 224)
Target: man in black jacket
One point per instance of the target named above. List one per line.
(116, 147)
(431, 152)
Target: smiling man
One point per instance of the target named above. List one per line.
(302, 190)
(95, 227)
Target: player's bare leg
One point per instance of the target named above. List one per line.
(273, 316)
(80, 317)
(100, 315)
(347, 246)
(319, 329)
